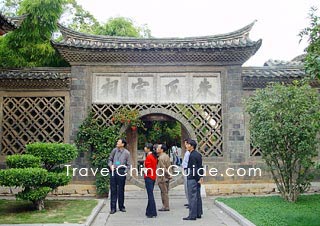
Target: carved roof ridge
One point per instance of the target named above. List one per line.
(38, 69)
(283, 71)
(280, 67)
(40, 73)
(238, 34)
(17, 20)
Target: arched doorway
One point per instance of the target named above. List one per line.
(156, 115)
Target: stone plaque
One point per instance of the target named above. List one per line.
(173, 89)
(106, 89)
(157, 88)
(141, 89)
(206, 89)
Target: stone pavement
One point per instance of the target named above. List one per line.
(136, 202)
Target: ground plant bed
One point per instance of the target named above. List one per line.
(274, 211)
(57, 211)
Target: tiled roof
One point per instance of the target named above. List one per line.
(239, 38)
(6, 24)
(35, 73)
(273, 71)
(260, 77)
(283, 63)
(233, 48)
(35, 78)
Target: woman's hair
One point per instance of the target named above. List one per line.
(151, 148)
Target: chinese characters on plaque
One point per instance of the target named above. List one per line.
(156, 88)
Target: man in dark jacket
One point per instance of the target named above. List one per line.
(195, 171)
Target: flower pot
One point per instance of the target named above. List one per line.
(133, 128)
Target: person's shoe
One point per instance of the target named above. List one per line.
(186, 204)
(123, 210)
(189, 219)
(151, 216)
(199, 216)
(163, 209)
(113, 211)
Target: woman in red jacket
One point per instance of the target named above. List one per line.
(150, 176)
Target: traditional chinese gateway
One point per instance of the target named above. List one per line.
(198, 81)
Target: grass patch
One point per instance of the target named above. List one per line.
(57, 211)
(274, 211)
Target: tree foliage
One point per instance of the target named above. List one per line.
(160, 132)
(38, 172)
(29, 45)
(121, 26)
(312, 60)
(77, 18)
(284, 123)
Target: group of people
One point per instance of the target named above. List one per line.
(157, 170)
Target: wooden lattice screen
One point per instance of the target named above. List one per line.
(30, 119)
(254, 151)
(205, 120)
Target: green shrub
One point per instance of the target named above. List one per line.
(27, 177)
(284, 124)
(52, 154)
(36, 182)
(35, 195)
(55, 180)
(102, 185)
(23, 161)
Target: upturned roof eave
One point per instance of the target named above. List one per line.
(68, 33)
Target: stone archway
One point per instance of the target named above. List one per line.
(172, 114)
(187, 132)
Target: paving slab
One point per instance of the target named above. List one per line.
(136, 203)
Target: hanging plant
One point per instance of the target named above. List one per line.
(128, 117)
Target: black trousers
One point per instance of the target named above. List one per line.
(194, 196)
(117, 183)
(151, 207)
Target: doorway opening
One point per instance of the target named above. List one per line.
(158, 128)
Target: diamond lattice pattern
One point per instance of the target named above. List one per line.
(30, 119)
(205, 120)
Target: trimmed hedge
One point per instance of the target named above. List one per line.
(25, 171)
(23, 161)
(27, 177)
(34, 194)
(52, 154)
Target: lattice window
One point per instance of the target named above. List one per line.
(255, 151)
(205, 120)
(30, 119)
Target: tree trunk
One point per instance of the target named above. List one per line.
(38, 204)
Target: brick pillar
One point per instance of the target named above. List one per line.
(80, 98)
(234, 134)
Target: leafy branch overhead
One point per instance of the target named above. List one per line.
(29, 45)
(312, 60)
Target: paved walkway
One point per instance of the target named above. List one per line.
(136, 202)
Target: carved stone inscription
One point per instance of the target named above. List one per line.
(140, 89)
(156, 88)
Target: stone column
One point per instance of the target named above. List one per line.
(80, 98)
(80, 101)
(234, 125)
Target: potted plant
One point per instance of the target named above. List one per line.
(128, 117)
